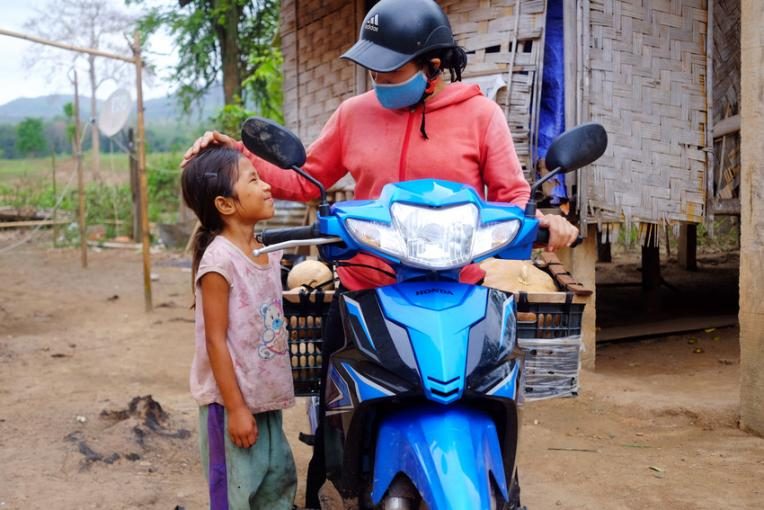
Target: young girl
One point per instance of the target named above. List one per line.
(241, 375)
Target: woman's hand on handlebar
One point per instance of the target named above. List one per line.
(561, 232)
(208, 138)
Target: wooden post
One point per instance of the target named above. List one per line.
(688, 244)
(603, 247)
(140, 145)
(581, 263)
(134, 185)
(752, 218)
(651, 258)
(55, 195)
(80, 177)
(513, 42)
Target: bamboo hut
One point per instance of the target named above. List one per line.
(640, 67)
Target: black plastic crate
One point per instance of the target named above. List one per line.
(305, 313)
(549, 334)
(538, 319)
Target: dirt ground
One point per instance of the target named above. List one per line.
(654, 427)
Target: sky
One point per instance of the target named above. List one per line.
(18, 81)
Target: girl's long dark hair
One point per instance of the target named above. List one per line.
(210, 174)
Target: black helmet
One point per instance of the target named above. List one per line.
(397, 31)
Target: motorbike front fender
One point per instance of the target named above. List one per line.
(448, 453)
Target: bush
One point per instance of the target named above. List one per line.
(163, 176)
(106, 204)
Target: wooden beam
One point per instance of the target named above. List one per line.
(727, 126)
(709, 85)
(728, 207)
(47, 42)
(570, 54)
(33, 223)
(667, 327)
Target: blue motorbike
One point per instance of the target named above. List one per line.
(421, 402)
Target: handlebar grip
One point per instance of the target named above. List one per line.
(542, 237)
(280, 235)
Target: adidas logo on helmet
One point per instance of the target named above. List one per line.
(373, 23)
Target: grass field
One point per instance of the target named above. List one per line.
(112, 165)
(27, 185)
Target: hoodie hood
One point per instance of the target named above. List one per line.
(452, 94)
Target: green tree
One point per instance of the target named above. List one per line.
(70, 128)
(7, 141)
(30, 137)
(237, 39)
(230, 118)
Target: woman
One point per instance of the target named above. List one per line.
(413, 125)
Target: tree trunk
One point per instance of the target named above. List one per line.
(228, 36)
(94, 115)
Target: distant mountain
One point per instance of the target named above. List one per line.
(159, 110)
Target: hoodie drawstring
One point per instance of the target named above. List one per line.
(427, 93)
(421, 126)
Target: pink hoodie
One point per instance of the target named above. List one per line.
(469, 142)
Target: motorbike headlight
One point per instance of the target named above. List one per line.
(436, 238)
(494, 235)
(377, 235)
(433, 238)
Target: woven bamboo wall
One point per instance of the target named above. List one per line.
(726, 96)
(647, 62)
(314, 34)
(486, 29)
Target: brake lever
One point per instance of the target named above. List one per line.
(293, 244)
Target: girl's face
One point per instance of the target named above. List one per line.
(253, 195)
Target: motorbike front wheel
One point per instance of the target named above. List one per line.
(402, 495)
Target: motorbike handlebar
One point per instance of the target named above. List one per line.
(281, 235)
(542, 237)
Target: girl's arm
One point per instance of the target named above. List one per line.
(241, 424)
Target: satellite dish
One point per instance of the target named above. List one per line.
(114, 112)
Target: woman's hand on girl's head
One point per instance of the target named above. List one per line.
(242, 427)
(561, 232)
(210, 137)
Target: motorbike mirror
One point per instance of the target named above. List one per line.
(279, 146)
(272, 142)
(577, 147)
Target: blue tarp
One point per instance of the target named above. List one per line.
(552, 114)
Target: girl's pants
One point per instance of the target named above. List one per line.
(262, 476)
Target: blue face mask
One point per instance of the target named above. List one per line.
(401, 95)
